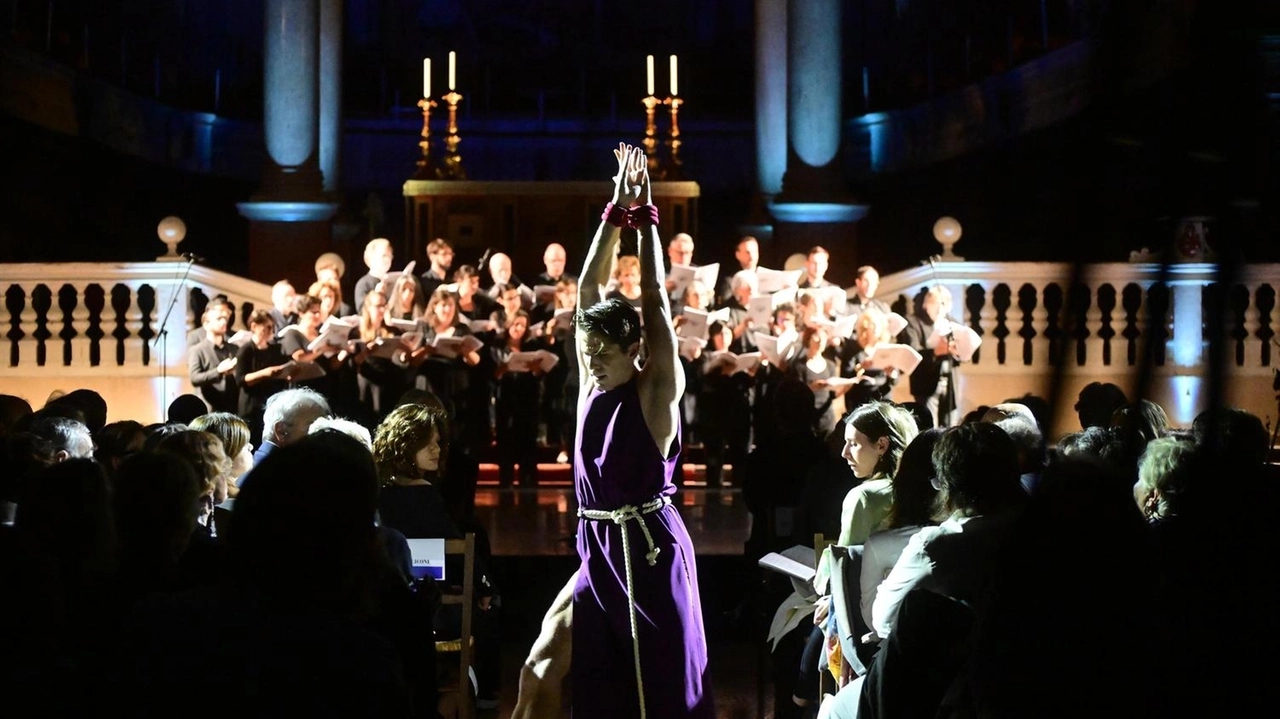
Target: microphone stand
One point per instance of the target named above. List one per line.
(164, 332)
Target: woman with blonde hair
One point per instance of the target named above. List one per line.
(627, 276)
(234, 434)
(204, 452)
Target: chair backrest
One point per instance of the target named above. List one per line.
(467, 548)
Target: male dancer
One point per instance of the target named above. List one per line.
(630, 617)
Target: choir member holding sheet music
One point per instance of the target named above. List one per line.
(472, 303)
(261, 370)
(740, 319)
(873, 381)
(815, 269)
(933, 382)
(723, 418)
(378, 257)
(381, 359)
(304, 344)
(447, 368)
(561, 383)
(440, 255)
(627, 275)
(519, 366)
(821, 375)
(405, 298)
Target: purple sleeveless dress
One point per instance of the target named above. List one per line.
(617, 463)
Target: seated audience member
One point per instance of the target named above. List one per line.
(407, 449)
(158, 499)
(875, 436)
(354, 430)
(117, 442)
(1097, 402)
(378, 256)
(313, 619)
(211, 362)
(1135, 425)
(1021, 426)
(261, 369)
(22, 454)
(71, 439)
(203, 450)
(287, 418)
(1233, 433)
(979, 493)
(59, 594)
(91, 406)
(12, 410)
(410, 449)
(184, 408)
(233, 432)
(1097, 443)
(912, 510)
(1161, 478)
(1041, 412)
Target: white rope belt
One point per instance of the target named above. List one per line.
(619, 517)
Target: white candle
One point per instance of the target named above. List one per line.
(649, 63)
(426, 77)
(453, 59)
(675, 86)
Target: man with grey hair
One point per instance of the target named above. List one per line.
(286, 418)
(70, 438)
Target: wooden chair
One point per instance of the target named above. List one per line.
(460, 691)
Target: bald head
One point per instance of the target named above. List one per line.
(554, 258)
(500, 268)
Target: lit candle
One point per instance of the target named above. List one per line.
(426, 77)
(675, 87)
(453, 61)
(649, 63)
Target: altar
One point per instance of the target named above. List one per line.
(521, 218)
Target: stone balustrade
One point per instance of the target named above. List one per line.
(96, 325)
(1036, 319)
(103, 326)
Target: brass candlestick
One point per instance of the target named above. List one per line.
(425, 170)
(651, 135)
(452, 169)
(673, 139)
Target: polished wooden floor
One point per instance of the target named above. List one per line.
(532, 536)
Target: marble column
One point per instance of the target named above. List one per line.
(815, 207)
(771, 95)
(289, 214)
(771, 117)
(331, 22)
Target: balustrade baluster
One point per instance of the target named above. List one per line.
(136, 351)
(1045, 321)
(1092, 341)
(990, 353)
(80, 340)
(1252, 323)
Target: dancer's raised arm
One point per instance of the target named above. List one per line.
(599, 262)
(661, 381)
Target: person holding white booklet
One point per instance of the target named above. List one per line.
(455, 377)
(933, 382)
(516, 403)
